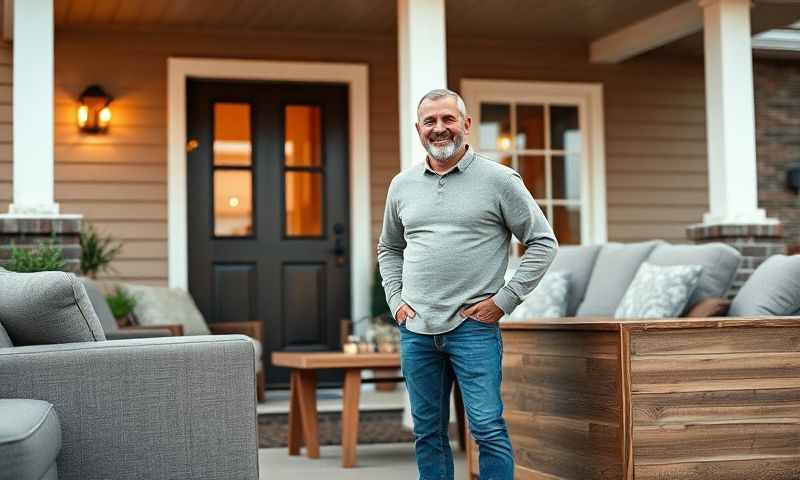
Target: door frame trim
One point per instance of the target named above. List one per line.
(355, 76)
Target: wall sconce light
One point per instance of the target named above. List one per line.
(94, 113)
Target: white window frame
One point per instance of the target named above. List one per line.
(588, 97)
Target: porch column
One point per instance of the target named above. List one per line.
(730, 118)
(734, 217)
(33, 109)
(422, 66)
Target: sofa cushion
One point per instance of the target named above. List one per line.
(659, 291)
(47, 308)
(30, 439)
(719, 261)
(548, 299)
(613, 271)
(100, 305)
(579, 262)
(164, 306)
(4, 340)
(772, 289)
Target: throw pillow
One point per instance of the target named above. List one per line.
(47, 308)
(165, 306)
(710, 307)
(659, 291)
(548, 300)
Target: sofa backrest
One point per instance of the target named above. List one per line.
(613, 271)
(719, 261)
(47, 308)
(578, 261)
(100, 305)
(5, 341)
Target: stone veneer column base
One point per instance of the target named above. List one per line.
(755, 242)
(28, 231)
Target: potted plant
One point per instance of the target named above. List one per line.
(97, 252)
(45, 257)
(122, 304)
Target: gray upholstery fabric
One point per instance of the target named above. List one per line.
(30, 439)
(579, 262)
(161, 305)
(4, 340)
(47, 308)
(659, 291)
(173, 407)
(719, 261)
(107, 320)
(772, 289)
(613, 271)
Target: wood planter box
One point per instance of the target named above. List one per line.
(710, 398)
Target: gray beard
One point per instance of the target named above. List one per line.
(443, 153)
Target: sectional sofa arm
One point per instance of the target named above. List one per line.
(156, 408)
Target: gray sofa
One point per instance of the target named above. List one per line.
(599, 276)
(151, 408)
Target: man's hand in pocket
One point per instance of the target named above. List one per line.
(403, 313)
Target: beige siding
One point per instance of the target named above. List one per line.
(654, 121)
(118, 181)
(656, 169)
(5, 127)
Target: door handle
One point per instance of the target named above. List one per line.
(339, 250)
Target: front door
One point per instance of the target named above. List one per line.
(268, 210)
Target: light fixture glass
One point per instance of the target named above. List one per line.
(94, 113)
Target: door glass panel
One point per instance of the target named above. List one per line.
(303, 203)
(501, 158)
(232, 141)
(495, 129)
(564, 132)
(530, 127)
(567, 224)
(303, 137)
(566, 177)
(233, 203)
(532, 171)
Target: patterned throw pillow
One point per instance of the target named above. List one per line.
(547, 300)
(659, 291)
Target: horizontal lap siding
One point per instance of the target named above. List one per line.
(5, 127)
(656, 169)
(118, 181)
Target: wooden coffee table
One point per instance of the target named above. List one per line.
(303, 404)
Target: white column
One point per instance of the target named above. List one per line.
(730, 117)
(33, 109)
(422, 66)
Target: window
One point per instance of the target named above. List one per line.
(551, 134)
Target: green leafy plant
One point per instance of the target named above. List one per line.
(97, 251)
(121, 302)
(45, 257)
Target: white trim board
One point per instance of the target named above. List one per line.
(355, 76)
(589, 97)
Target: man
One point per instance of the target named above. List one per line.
(443, 254)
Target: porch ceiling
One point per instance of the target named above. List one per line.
(579, 20)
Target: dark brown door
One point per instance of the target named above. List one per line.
(268, 210)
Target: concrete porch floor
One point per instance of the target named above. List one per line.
(389, 461)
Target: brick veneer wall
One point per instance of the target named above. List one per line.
(754, 242)
(30, 232)
(777, 104)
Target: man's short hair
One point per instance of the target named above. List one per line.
(438, 93)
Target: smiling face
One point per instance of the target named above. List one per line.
(442, 127)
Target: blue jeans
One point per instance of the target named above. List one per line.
(471, 354)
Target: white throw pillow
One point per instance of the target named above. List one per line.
(658, 291)
(547, 300)
(165, 306)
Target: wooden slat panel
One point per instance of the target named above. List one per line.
(102, 192)
(118, 211)
(563, 344)
(75, 172)
(710, 341)
(779, 468)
